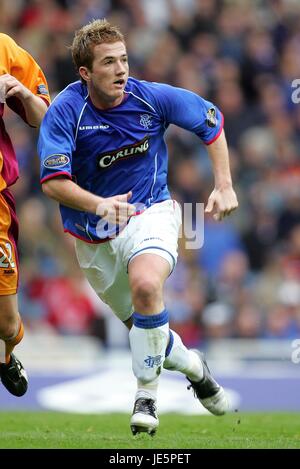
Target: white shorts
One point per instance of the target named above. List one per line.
(105, 265)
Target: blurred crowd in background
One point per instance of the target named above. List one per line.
(243, 55)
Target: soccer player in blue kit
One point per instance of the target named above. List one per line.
(104, 159)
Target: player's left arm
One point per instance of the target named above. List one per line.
(191, 112)
(34, 107)
(223, 200)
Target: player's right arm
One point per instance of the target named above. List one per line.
(55, 147)
(114, 209)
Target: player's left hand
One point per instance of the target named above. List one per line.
(10, 86)
(222, 202)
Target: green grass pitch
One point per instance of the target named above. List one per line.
(237, 430)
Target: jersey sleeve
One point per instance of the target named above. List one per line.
(189, 111)
(19, 63)
(56, 142)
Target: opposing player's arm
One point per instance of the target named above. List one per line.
(223, 199)
(34, 107)
(22, 82)
(114, 209)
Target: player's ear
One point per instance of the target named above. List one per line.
(84, 73)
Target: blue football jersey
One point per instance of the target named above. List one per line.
(120, 149)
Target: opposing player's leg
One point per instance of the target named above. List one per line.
(12, 373)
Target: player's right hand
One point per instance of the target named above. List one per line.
(116, 209)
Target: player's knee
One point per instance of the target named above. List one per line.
(146, 291)
(8, 327)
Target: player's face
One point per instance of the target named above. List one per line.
(109, 74)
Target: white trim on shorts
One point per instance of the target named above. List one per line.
(162, 252)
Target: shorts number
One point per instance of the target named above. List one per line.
(6, 260)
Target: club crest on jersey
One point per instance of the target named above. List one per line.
(105, 160)
(56, 161)
(146, 121)
(41, 89)
(211, 119)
